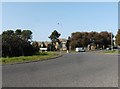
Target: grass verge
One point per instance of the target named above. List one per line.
(111, 52)
(37, 57)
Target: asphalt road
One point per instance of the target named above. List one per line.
(71, 70)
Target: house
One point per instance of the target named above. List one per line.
(63, 43)
(61, 46)
(41, 44)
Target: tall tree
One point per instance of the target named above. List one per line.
(54, 36)
(68, 44)
(117, 41)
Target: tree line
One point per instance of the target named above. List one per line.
(101, 40)
(19, 42)
(83, 39)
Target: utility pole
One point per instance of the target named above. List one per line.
(111, 42)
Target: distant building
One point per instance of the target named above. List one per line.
(63, 43)
(91, 46)
(43, 43)
(61, 46)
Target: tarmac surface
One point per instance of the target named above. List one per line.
(84, 69)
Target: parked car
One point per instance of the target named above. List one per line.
(115, 47)
(112, 48)
(108, 48)
(80, 49)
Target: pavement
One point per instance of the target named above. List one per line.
(85, 69)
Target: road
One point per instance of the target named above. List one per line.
(72, 70)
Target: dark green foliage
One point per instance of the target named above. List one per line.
(43, 45)
(18, 32)
(68, 43)
(118, 38)
(54, 38)
(13, 43)
(82, 39)
(36, 46)
(51, 47)
(26, 35)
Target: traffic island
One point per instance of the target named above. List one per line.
(27, 59)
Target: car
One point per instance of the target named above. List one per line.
(108, 48)
(80, 49)
(115, 47)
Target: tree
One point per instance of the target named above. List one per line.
(106, 38)
(13, 43)
(83, 39)
(54, 37)
(26, 35)
(117, 41)
(68, 44)
(50, 47)
(79, 39)
(8, 32)
(36, 46)
(18, 32)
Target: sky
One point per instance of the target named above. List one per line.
(60, 0)
(42, 18)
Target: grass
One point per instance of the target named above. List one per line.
(118, 52)
(111, 52)
(38, 56)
